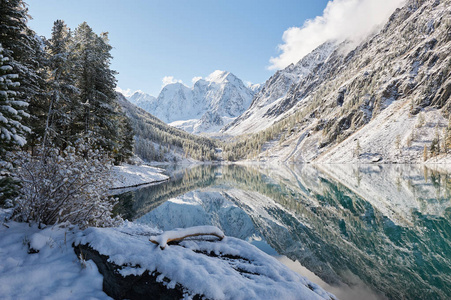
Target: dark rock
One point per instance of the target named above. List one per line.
(115, 285)
(340, 98)
(31, 250)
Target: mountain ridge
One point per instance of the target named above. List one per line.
(384, 101)
(207, 106)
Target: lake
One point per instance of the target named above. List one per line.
(359, 231)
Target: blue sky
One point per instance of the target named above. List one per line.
(190, 38)
(183, 39)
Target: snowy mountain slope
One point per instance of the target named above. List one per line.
(157, 141)
(142, 100)
(206, 107)
(388, 98)
(277, 88)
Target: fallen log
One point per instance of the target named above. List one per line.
(181, 233)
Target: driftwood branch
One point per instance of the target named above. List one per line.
(178, 235)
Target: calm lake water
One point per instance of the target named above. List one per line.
(361, 232)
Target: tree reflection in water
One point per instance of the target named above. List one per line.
(389, 226)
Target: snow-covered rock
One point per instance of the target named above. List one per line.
(227, 269)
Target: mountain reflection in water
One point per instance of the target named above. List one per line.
(384, 228)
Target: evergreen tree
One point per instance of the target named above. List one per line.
(17, 86)
(62, 91)
(98, 120)
(24, 50)
(12, 130)
(126, 140)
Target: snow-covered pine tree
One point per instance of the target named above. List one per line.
(62, 90)
(11, 127)
(96, 82)
(24, 50)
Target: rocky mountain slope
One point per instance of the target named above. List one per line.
(384, 101)
(206, 107)
(157, 141)
(276, 89)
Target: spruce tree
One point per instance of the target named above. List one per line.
(12, 130)
(24, 50)
(62, 91)
(98, 120)
(18, 84)
(126, 139)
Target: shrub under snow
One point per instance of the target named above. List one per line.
(68, 186)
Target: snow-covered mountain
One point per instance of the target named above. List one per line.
(276, 89)
(385, 100)
(142, 100)
(210, 104)
(157, 141)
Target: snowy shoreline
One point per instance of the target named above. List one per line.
(224, 269)
(127, 176)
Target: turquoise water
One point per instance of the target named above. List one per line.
(368, 231)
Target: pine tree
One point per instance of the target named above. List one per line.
(398, 142)
(12, 131)
(97, 119)
(23, 49)
(126, 139)
(62, 90)
(357, 149)
(34, 89)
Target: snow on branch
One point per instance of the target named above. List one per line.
(182, 233)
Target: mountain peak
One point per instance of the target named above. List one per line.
(212, 102)
(137, 94)
(219, 76)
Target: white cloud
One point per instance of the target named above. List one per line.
(196, 79)
(127, 93)
(341, 20)
(168, 80)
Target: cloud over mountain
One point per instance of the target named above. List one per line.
(341, 20)
(169, 80)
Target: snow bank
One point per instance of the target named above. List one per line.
(130, 175)
(54, 272)
(252, 275)
(41, 264)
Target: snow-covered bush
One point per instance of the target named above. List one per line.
(68, 186)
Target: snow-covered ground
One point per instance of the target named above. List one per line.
(255, 276)
(42, 264)
(54, 272)
(131, 175)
